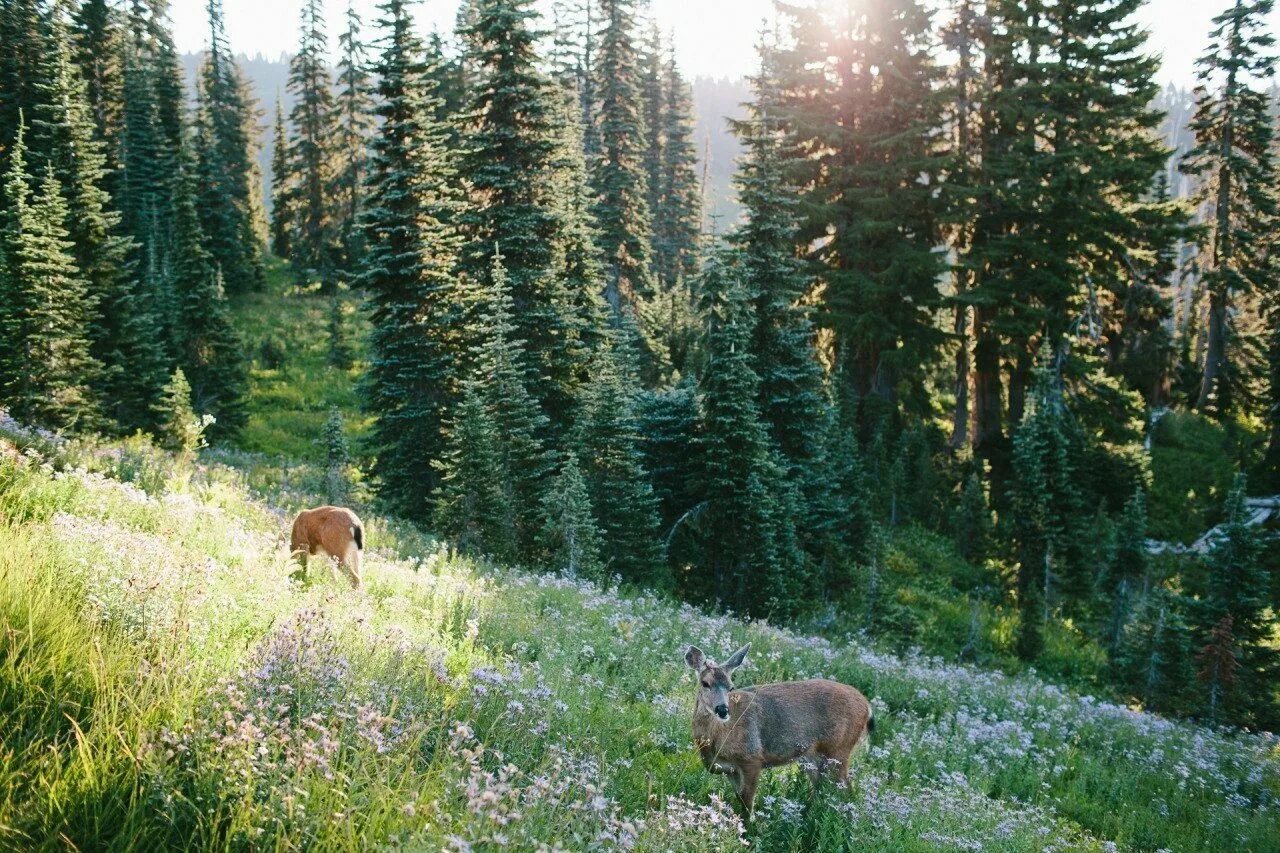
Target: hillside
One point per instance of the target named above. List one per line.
(163, 682)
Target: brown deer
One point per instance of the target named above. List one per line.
(333, 531)
(740, 732)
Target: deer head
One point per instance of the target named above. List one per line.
(714, 680)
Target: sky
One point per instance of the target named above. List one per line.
(713, 38)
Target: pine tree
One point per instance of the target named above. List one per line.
(408, 272)
(180, 428)
(608, 439)
(677, 217)
(226, 143)
(282, 187)
(355, 127)
(571, 537)
(1231, 618)
(206, 345)
(617, 169)
(1045, 507)
(125, 328)
(474, 503)
(1234, 159)
(857, 94)
(510, 162)
(312, 153)
(751, 557)
(337, 482)
(46, 369)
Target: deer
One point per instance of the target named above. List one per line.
(333, 531)
(738, 733)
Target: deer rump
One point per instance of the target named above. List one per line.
(331, 531)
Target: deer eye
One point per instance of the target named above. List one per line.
(706, 684)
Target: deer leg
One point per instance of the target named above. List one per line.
(300, 556)
(747, 778)
(351, 565)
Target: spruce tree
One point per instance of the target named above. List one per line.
(408, 272)
(857, 94)
(608, 438)
(125, 328)
(226, 145)
(1234, 160)
(617, 169)
(1127, 574)
(1155, 656)
(510, 163)
(24, 34)
(677, 217)
(751, 558)
(474, 505)
(46, 369)
(180, 428)
(355, 127)
(668, 420)
(98, 40)
(282, 187)
(652, 106)
(571, 538)
(337, 483)
(312, 153)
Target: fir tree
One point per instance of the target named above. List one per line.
(125, 328)
(282, 187)
(652, 106)
(226, 143)
(24, 34)
(856, 93)
(355, 127)
(180, 428)
(1127, 575)
(337, 482)
(668, 425)
(98, 46)
(474, 504)
(571, 537)
(617, 170)
(1155, 655)
(339, 355)
(751, 557)
(608, 438)
(312, 154)
(510, 163)
(1233, 158)
(46, 369)
(972, 524)
(677, 216)
(408, 272)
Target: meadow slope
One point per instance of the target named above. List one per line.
(164, 683)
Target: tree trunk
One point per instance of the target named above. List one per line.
(988, 404)
(1213, 394)
(960, 418)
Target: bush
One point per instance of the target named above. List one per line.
(272, 354)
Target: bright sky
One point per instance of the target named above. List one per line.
(714, 38)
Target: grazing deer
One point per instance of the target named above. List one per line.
(741, 732)
(334, 531)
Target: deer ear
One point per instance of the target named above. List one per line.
(738, 657)
(694, 657)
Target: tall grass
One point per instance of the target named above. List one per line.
(164, 683)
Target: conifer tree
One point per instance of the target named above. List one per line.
(677, 217)
(751, 558)
(46, 369)
(312, 154)
(608, 438)
(1234, 159)
(339, 341)
(617, 169)
(839, 527)
(206, 345)
(474, 504)
(282, 187)
(1232, 621)
(668, 419)
(1155, 655)
(98, 40)
(510, 163)
(651, 89)
(226, 144)
(337, 483)
(571, 537)
(180, 428)
(408, 272)
(125, 327)
(500, 360)
(24, 34)
(857, 93)
(972, 523)
(355, 127)
(1127, 573)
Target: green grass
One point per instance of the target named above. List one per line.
(163, 683)
(287, 405)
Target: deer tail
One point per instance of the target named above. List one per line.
(357, 532)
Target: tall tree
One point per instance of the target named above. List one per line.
(98, 52)
(678, 215)
(572, 538)
(226, 144)
(857, 93)
(408, 271)
(312, 153)
(355, 127)
(1234, 159)
(282, 187)
(46, 369)
(618, 174)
